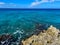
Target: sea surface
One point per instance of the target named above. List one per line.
(22, 22)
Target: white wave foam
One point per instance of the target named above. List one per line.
(2, 42)
(19, 31)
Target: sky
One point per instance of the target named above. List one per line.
(29, 3)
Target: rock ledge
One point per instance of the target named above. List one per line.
(49, 37)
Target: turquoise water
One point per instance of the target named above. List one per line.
(22, 22)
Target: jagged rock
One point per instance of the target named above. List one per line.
(7, 39)
(48, 37)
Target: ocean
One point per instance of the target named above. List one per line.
(22, 22)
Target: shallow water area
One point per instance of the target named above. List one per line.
(22, 23)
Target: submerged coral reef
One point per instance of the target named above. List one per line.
(51, 36)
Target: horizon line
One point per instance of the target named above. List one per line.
(32, 8)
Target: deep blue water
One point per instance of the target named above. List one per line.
(22, 22)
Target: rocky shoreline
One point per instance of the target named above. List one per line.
(51, 36)
(7, 39)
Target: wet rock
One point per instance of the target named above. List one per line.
(7, 39)
(4, 37)
(20, 43)
(40, 28)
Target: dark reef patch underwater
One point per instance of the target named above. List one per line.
(16, 25)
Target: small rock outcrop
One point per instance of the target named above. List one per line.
(51, 36)
(7, 39)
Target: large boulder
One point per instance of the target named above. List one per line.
(49, 37)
